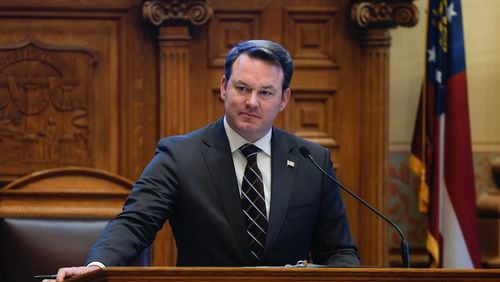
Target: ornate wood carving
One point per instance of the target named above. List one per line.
(160, 12)
(386, 14)
(44, 101)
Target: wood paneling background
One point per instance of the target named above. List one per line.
(96, 83)
(77, 86)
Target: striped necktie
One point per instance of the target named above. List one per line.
(253, 203)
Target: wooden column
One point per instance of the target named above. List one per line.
(375, 18)
(174, 79)
(173, 18)
(375, 140)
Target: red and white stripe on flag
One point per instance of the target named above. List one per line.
(441, 148)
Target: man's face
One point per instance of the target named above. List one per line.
(253, 96)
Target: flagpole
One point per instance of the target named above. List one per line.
(424, 190)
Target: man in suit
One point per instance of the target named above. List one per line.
(225, 208)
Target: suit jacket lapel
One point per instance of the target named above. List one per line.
(219, 162)
(282, 179)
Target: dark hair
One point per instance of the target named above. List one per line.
(265, 50)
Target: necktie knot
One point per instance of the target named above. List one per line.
(250, 152)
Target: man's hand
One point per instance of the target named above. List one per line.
(67, 272)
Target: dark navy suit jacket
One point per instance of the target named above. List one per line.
(191, 182)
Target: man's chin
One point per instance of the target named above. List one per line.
(247, 130)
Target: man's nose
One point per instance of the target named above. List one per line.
(253, 99)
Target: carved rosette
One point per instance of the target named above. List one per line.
(159, 12)
(384, 14)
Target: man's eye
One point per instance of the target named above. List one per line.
(242, 88)
(266, 93)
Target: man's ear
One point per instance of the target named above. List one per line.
(285, 98)
(223, 85)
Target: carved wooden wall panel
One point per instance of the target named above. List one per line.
(44, 106)
(310, 35)
(73, 88)
(309, 116)
(227, 28)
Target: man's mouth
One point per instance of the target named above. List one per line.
(249, 115)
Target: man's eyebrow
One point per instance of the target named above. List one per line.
(240, 82)
(267, 87)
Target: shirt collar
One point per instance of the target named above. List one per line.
(236, 141)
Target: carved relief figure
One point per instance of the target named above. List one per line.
(44, 94)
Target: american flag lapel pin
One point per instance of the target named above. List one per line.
(290, 163)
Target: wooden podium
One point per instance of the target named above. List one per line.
(282, 274)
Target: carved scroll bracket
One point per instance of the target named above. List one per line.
(162, 12)
(384, 14)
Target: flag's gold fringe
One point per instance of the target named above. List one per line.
(418, 168)
(433, 248)
(415, 164)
